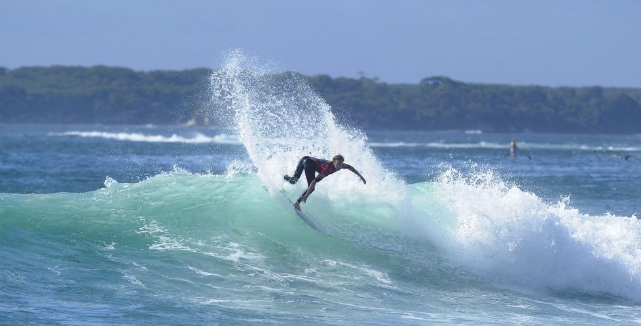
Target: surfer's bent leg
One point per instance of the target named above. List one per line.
(310, 174)
(298, 172)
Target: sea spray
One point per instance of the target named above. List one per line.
(279, 119)
(511, 237)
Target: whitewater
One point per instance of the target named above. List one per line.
(138, 225)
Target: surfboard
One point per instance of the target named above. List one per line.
(303, 216)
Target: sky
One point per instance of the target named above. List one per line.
(530, 42)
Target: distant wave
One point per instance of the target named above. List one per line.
(139, 137)
(232, 139)
(440, 145)
(523, 145)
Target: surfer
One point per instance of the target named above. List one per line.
(513, 149)
(323, 167)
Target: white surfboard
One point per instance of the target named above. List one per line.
(304, 216)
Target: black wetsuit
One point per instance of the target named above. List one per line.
(308, 164)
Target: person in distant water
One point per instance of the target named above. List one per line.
(323, 167)
(513, 150)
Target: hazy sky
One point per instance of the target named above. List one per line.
(540, 42)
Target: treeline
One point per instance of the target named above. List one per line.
(109, 95)
(100, 94)
(440, 103)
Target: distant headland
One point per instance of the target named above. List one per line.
(112, 95)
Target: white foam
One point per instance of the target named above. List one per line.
(131, 278)
(111, 246)
(238, 253)
(380, 277)
(109, 181)
(197, 138)
(164, 241)
(202, 273)
(279, 119)
(512, 236)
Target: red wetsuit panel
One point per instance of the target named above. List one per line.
(325, 168)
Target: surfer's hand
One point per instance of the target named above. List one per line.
(364, 182)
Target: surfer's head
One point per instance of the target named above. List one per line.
(338, 161)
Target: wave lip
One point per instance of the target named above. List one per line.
(495, 145)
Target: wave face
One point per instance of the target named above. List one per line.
(184, 242)
(223, 247)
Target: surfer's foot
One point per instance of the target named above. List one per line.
(297, 205)
(290, 179)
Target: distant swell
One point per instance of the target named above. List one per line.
(139, 137)
(502, 146)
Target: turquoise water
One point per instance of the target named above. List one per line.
(140, 225)
(187, 248)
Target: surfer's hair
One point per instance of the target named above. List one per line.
(338, 157)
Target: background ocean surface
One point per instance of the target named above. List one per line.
(141, 225)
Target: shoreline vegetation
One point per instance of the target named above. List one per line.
(113, 95)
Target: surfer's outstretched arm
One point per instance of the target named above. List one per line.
(358, 174)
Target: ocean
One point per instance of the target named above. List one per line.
(171, 225)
